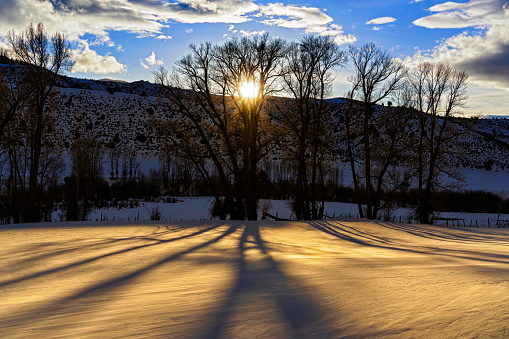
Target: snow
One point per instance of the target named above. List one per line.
(188, 208)
(489, 181)
(213, 279)
(197, 208)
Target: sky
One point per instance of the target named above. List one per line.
(128, 39)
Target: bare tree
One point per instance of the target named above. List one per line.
(377, 77)
(130, 162)
(438, 91)
(216, 123)
(86, 172)
(17, 136)
(14, 92)
(307, 75)
(44, 58)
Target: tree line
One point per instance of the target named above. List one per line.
(226, 135)
(393, 127)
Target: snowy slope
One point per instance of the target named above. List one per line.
(253, 280)
(118, 111)
(126, 111)
(120, 118)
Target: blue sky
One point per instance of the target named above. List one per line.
(128, 39)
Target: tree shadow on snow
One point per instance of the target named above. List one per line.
(463, 235)
(260, 279)
(354, 235)
(97, 293)
(47, 254)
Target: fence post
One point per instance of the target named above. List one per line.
(489, 223)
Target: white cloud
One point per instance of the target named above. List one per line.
(474, 13)
(311, 19)
(292, 16)
(147, 18)
(189, 31)
(250, 33)
(225, 35)
(98, 17)
(88, 61)
(381, 21)
(483, 52)
(152, 61)
(376, 28)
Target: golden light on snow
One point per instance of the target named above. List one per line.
(325, 279)
(248, 90)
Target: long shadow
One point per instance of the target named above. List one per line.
(44, 251)
(262, 280)
(352, 235)
(55, 307)
(90, 260)
(345, 233)
(467, 235)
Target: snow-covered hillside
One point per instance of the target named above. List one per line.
(117, 113)
(117, 119)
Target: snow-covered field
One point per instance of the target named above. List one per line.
(197, 208)
(489, 181)
(210, 279)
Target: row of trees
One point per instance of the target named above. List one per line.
(393, 148)
(237, 107)
(225, 132)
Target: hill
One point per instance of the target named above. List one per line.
(116, 112)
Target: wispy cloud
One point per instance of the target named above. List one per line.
(292, 16)
(148, 18)
(381, 21)
(250, 33)
(474, 13)
(143, 17)
(310, 19)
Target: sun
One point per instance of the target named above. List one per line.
(248, 90)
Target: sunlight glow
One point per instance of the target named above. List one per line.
(248, 90)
